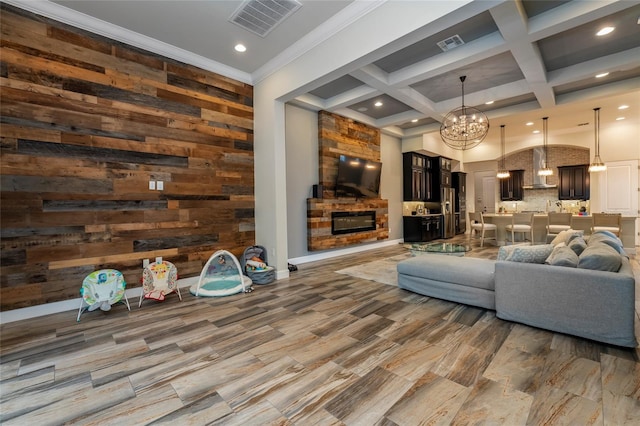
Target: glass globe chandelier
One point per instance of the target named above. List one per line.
(545, 170)
(464, 127)
(597, 165)
(503, 173)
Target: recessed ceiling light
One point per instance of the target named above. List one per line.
(605, 31)
(489, 102)
(530, 123)
(362, 109)
(240, 48)
(604, 74)
(378, 104)
(415, 120)
(623, 107)
(619, 118)
(536, 131)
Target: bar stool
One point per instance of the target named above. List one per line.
(611, 222)
(557, 222)
(521, 223)
(476, 219)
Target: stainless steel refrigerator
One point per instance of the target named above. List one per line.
(447, 197)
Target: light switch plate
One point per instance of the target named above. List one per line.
(159, 185)
(152, 185)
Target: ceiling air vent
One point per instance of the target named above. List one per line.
(262, 16)
(450, 43)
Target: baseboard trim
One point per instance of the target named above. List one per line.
(341, 252)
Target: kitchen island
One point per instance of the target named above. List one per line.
(501, 220)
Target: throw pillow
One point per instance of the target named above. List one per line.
(530, 254)
(562, 255)
(505, 251)
(601, 257)
(578, 245)
(563, 236)
(606, 237)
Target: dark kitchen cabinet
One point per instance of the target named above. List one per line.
(422, 228)
(417, 178)
(511, 188)
(573, 182)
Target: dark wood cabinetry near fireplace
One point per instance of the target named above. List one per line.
(511, 188)
(417, 177)
(422, 228)
(573, 182)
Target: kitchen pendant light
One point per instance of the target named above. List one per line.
(464, 127)
(503, 173)
(545, 170)
(597, 165)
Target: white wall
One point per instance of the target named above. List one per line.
(391, 182)
(301, 133)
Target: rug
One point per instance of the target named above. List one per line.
(382, 271)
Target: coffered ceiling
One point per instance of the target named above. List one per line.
(529, 58)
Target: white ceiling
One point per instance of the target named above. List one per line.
(532, 58)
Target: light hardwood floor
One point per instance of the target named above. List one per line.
(318, 348)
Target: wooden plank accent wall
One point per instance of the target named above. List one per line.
(85, 124)
(339, 135)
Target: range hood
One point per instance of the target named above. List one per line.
(539, 182)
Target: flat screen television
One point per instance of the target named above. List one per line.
(358, 178)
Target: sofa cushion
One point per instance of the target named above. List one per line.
(601, 257)
(564, 236)
(562, 255)
(466, 271)
(578, 245)
(505, 251)
(530, 254)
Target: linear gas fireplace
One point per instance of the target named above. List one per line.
(347, 222)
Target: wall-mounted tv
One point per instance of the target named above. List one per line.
(358, 178)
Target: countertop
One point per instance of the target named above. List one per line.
(423, 215)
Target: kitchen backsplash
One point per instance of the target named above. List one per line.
(542, 200)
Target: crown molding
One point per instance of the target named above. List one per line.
(97, 26)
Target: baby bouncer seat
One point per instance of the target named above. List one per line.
(221, 276)
(158, 280)
(101, 289)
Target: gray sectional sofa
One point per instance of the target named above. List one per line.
(590, 303)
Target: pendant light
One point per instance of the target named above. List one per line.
(503, 173)
(464, 127)
(597, 165)
(545, 170)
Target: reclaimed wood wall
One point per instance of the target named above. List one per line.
(339, 135)
(85, 124)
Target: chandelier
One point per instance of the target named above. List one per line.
(597, 165)
(545, 170)
(503, 173)
(464, 127)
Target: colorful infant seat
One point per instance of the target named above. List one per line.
(158, 280)
(101, 289)
(221, 276)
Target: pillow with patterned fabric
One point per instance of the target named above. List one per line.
(530, 254)
(562, 255)
(577, 244)
(505, 251)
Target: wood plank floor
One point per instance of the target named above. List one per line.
(318, 348)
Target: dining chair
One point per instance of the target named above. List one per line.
(521, 223)
(476, 219)
(557, 222)
(611, 222)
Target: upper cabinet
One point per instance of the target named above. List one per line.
(416, 176)
(511, 188)
(573, 182)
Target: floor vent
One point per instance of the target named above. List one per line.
(450, 43)
(262, 16)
